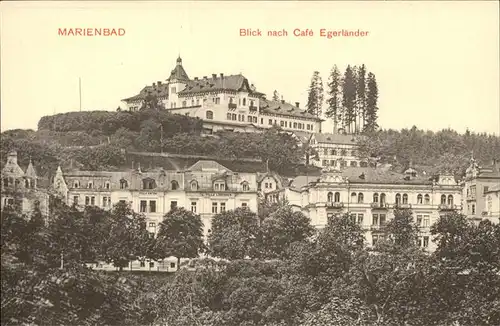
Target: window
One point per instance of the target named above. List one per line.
(270, 121)
(193, 206)
(194, 185)
(419, 220)
(172, 90)
(375, 198)
(261, 120)
(123, 184)
(337, 197)
(343, 152)
(295, 124)
(376, 238)
(426, 242)
(282, 123)
(107, 185)
(214, 208)
(184, 103)
(143, 206)
(192, 102)
(105, 202)
(325, 162)
(255, 119)
(151, 264)
(251, 102)
(353, 197)
(398, 199)
(87, 200)
(90, 185)
(173, 204)
(354, 163)
(244, 205)
(219, 186)
(382, 198)
(250, 119)
(172, 265)
(382, 219)
(143, 264)
(360, 198)
(333, 152)
(222, 207)
(148, 183)
(426, 221)
(197, 101)
(244, 101)
(333, 163)
(427, 199)
(152, 206)
(443, 199)
(174, 185)
(92, 201)
(209, 115)
(405, 199)
(75, 185)
(245, 186)
(375, 219)
(419, 199)
(233, 117)
(473, 209)
(229, 116)
(450, 200)
(75, 200)
(329, 197)
(217, 100)
(152, 224)
(360, 219)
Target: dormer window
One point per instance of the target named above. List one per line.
(427, 199)
(174, 185)
(76, 184)
(123, 184)
(443, 199)
(219, 186)
(329, 197)
(194, 185)
(246, 187)
(107, 185)
(90, 185)
(398, 199)
(148, 183)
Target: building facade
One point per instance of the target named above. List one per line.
(336, 151)
(224, 103)
(20, 189)
(370, 196)
(205, 188)
(480, 190)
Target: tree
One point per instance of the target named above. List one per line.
(401, 230)
(151, 102)
(371, 104)
(278, 148)
(234, 234)
(180, 235)
(276, 96)
(361, 98)
(128, 237)
(349, 99)
(315, 95)
(334, 110)
(282, 228)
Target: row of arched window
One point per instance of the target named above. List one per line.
(343, 152)
(381, 198)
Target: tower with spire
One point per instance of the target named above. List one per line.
(177, 81)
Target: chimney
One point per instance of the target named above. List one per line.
(221, 75)
(154, 85)
(195, 78)
(297, 104)
(205, 77)
(214, 76)
(282, 101)
(159, 83)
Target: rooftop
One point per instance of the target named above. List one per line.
(285, 109)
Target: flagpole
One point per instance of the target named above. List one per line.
(80, 91)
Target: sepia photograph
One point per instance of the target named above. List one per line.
(267, 163)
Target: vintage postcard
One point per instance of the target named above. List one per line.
(262, 163)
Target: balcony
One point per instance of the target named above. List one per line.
(231, 106)
(379, 206)
(377, 227)
(447, 207)
(252, 108)
(335, 205)
(402, 206)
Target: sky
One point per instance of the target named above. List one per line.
(436, 63)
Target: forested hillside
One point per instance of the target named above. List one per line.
(431, 151)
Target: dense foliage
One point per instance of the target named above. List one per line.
(445, 150)
(330, 278)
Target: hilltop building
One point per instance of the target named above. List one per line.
(337, 151)
(370, 196)
(481, 191)
(224, 103)
(20, 189)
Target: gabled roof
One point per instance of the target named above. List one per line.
(203, 165)
(30, 171)
(382, 176)
(284, 109)
(219, 83)
(329, 138)
(160, 91)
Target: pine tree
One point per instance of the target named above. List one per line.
(334, 109)
(371, 104)
(361, 97)
(349, 98)
(315, 97)
(276, 96)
